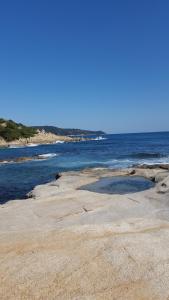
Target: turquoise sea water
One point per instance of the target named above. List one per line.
(114, 151)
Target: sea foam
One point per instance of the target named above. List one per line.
(59, 142)
(47, 155)
(99, 138)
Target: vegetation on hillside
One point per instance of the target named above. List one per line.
(9, 130)
(67, 131)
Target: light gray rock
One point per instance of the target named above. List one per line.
(161, 176)
(163, 186)
(67, 243)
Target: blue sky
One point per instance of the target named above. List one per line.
(86, 63)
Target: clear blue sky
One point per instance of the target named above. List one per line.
(86, 63)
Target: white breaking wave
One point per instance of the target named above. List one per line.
(32, 145)
(119, 163)
(130, 162)
(23, 146)
(47, 155)
(99, 138)
(16, 146)
(164, 160)
(59, 142)
(5, 162)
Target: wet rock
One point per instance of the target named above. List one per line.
(17, 160)
(21, 159)
(57, 176)
(152, 178)
(155, 166)
(132, 172)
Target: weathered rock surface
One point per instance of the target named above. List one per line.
(72, 244)
(163, 187)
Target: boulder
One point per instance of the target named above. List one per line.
(163, 186)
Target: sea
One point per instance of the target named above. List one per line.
(107, 151)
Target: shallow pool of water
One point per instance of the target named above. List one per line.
(119, 185)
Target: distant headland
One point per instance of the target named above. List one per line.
(12, 133)
(68, 131)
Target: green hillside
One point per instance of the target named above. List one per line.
(9, 130)
(67, 131)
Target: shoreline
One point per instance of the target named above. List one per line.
(143, 169)
(155, 172)
(150, 172)
(80, 244)
(146, 171)
(41, 139)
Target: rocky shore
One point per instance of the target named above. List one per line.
(41, 138)
(68, 243)
(24, 159)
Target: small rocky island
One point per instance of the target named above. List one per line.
(67, 242)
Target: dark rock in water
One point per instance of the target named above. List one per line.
(164, 166)
(29, 195)
(153, 179)
(57, 176)
(21, 159)
(132, 172)
(155, 166)
(17, 160)
(144, 155)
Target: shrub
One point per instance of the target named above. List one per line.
(13, 131)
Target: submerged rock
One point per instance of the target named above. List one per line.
(28, 158)
(18, 159)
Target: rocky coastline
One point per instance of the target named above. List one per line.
(68, 243)
(40, 138)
